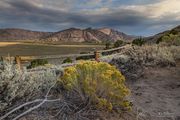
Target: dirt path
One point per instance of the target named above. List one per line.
(157, 93)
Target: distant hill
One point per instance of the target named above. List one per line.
(169, 36)
(68, 35)
(78, 35)
(21, 34)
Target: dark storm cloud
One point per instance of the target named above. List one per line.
(30, 15)
(23, 11)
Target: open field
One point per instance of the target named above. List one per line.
(19, 48)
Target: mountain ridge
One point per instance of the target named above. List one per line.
(67, 35)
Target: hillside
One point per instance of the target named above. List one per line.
(172, 35)
(116, 35)
(78, 35)
(20, 34)
(89, 35)
(68, 35)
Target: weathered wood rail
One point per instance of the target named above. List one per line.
(97, 54)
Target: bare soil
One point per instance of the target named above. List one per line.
(156, 95)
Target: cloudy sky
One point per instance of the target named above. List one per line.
(137, 17)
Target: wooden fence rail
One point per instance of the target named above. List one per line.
(53, 56)
(114, 49)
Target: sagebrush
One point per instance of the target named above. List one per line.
(37, 62)
(131, 60)
(102, 83)
(22, 85)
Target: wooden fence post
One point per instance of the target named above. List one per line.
(18, 62)
(97, 55)
(2, 58)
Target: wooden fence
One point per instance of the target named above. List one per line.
(96, 55)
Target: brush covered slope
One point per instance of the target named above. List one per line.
(171, 37)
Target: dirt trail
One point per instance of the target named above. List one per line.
(157, 93)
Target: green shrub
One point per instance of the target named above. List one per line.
(38, 62)
(174, 32)
(159, 40)
(107, 45)
(67, 60)
(84, 52)
(165, 38)
(102, 83)
(138, 41)
(85, 57)
(118, 43)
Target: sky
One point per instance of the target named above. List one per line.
(135, 17)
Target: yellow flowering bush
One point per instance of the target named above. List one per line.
(99, 81)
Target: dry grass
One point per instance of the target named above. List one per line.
(3, 44)
(44, 44)
(18, 48)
